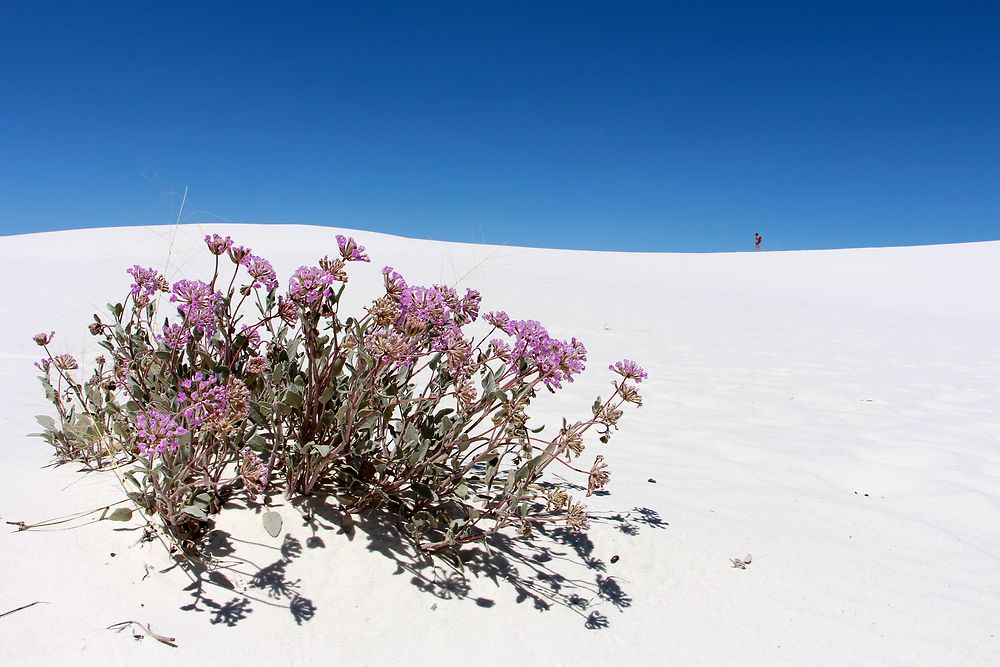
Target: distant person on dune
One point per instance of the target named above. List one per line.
(757, 238)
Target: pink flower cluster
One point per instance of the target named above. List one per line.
(201, 398)
(287, 310)
(157, 432)
(439, 311)
(555, 360)
(65, 362)
(394, 282)
(197, 303)
(629, 370)
(259, 268)
(499, 319)
(43, 339)
(433, 315)
(391, 345)
(147, 283)
(175, 336)
(425, 304)
(350, 250)
(439, 305)
(253, 471)
(253, 336)
(218, 245)
(261, 271)
(238, 253)
(310, 284)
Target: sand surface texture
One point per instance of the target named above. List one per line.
(836, 414)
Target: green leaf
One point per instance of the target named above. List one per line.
(197, 511)
(46, 421)
(423, 490)
(489, 383)
(256, 416)
(528, 469)
(292, 397)
(492, 464)
(272, 523)
(420, 452)
(120, 514)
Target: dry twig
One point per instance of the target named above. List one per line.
(118, 627)
(8, 613)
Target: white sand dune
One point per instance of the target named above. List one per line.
(834, 413)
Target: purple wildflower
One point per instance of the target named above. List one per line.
(350, 250)
(629, 370)
(500, 320)
(335, 267)
(309, 284)
(43, 364)
(287, 310)
(468, 308)
(147, 282)
(65, 362)
(262, 272)
(446, 338)
(394, 283)
(202, 399)
(197, 304)
(427, 304)
(43, 338)
(253, 471)
(448, 295)
(256, 365)
(555, 360)
(389, 345)
(157, 432)
(175, 336)
(501, 349)
(218, 245)
(238, 254)
(253, 336)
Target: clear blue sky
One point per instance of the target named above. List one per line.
(614, 125)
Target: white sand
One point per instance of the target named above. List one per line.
(784, 387)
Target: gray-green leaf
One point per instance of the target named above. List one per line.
(46, 421)
(272, 523)
(120, 514)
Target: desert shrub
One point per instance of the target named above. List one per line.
(396, 409)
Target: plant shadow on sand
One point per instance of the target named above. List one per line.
(534, 568)
(220, 566)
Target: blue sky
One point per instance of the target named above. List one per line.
(614, 125)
